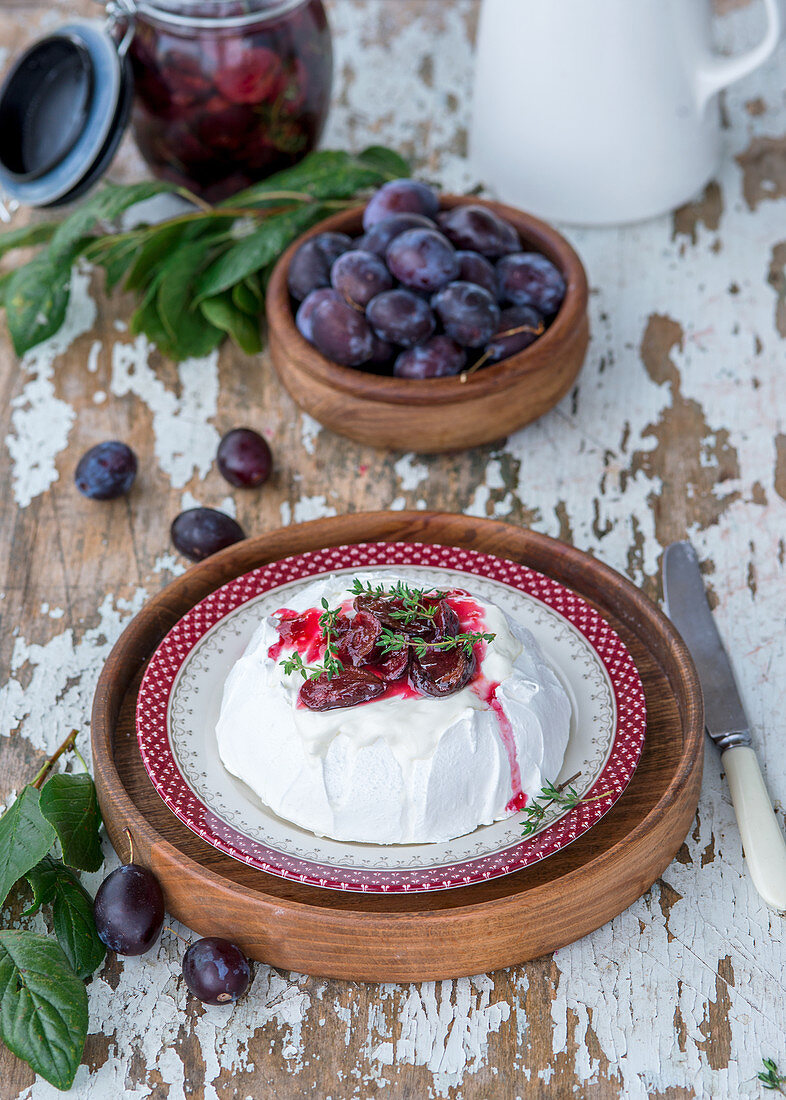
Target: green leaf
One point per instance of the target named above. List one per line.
(36, 299)
(72, 916)
(70, 805)
(43, 1006)
(247, 255)
(189, 332)
(158, 245)
(386, 162)
(243, 329)
(5, 279)
(245, 299)
(104, 205)
(115, 255)
(327, 174)
(25, 838)
(42, 880)
(27, 236)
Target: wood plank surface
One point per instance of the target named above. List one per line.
(675, 427)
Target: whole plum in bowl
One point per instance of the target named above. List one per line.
(428, 322)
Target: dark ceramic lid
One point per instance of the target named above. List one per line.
(63, 110)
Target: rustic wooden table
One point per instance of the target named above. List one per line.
(675, 428)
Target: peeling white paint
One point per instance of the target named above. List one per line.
(185, 440)
(306, 508)
(41, 421)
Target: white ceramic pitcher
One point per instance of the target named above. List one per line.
(602, 111)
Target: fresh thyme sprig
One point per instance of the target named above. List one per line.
(564, 795)
(391, 642)
(770, 1077)
(331, 664)
(413, 599)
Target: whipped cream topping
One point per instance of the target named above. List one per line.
(403, 768)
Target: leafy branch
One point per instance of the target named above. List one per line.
(564, 795)
(392, 642)
(331, 664)
(198, 277)
(771, 1078)
(43, 1000)
(413, 599)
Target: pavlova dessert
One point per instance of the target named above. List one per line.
(371, 710)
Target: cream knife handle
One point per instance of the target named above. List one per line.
(762, 839)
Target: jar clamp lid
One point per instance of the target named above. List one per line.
(64, 107)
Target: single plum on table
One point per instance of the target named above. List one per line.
(199, 532)
(244, 458)
(530, 279)
(106, 471)
(469, 314)
(129, 910)
(439, 357)
(401, 317)
(400, 197)
(422, 259)
(216, 971)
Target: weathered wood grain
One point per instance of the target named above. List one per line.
(674, 428)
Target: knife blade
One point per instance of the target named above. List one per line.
(687, 607)
(762, 839)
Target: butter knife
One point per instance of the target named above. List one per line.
(762, 839)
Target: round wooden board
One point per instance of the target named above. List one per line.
(409, 937)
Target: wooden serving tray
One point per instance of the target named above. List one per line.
(442, 934)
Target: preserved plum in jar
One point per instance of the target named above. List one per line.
(229, 91)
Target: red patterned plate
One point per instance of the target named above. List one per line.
(180, 698)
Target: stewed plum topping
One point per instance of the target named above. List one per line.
(396, 641)
(360, 639)
(348, 688)
(441, 672)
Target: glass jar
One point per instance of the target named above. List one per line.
(228, 91)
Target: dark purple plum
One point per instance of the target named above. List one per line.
(479, 230)
(379, 236)
(519, 326)
(305, 314)
(401, 317)
(129, 910)
(244, 458)
(439, 357)
(106, 471)
(359, 276)
(199, 532)
(474, 268)
(529, 279)
(469, 314)
(422, 259)
(310, 267)
(400, 197)
(216, 971)
(382, 356)
(342, 333)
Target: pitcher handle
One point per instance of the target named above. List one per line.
(717, 73)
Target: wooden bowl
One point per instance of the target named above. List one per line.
(435, 414)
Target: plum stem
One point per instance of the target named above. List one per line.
(66, 746)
